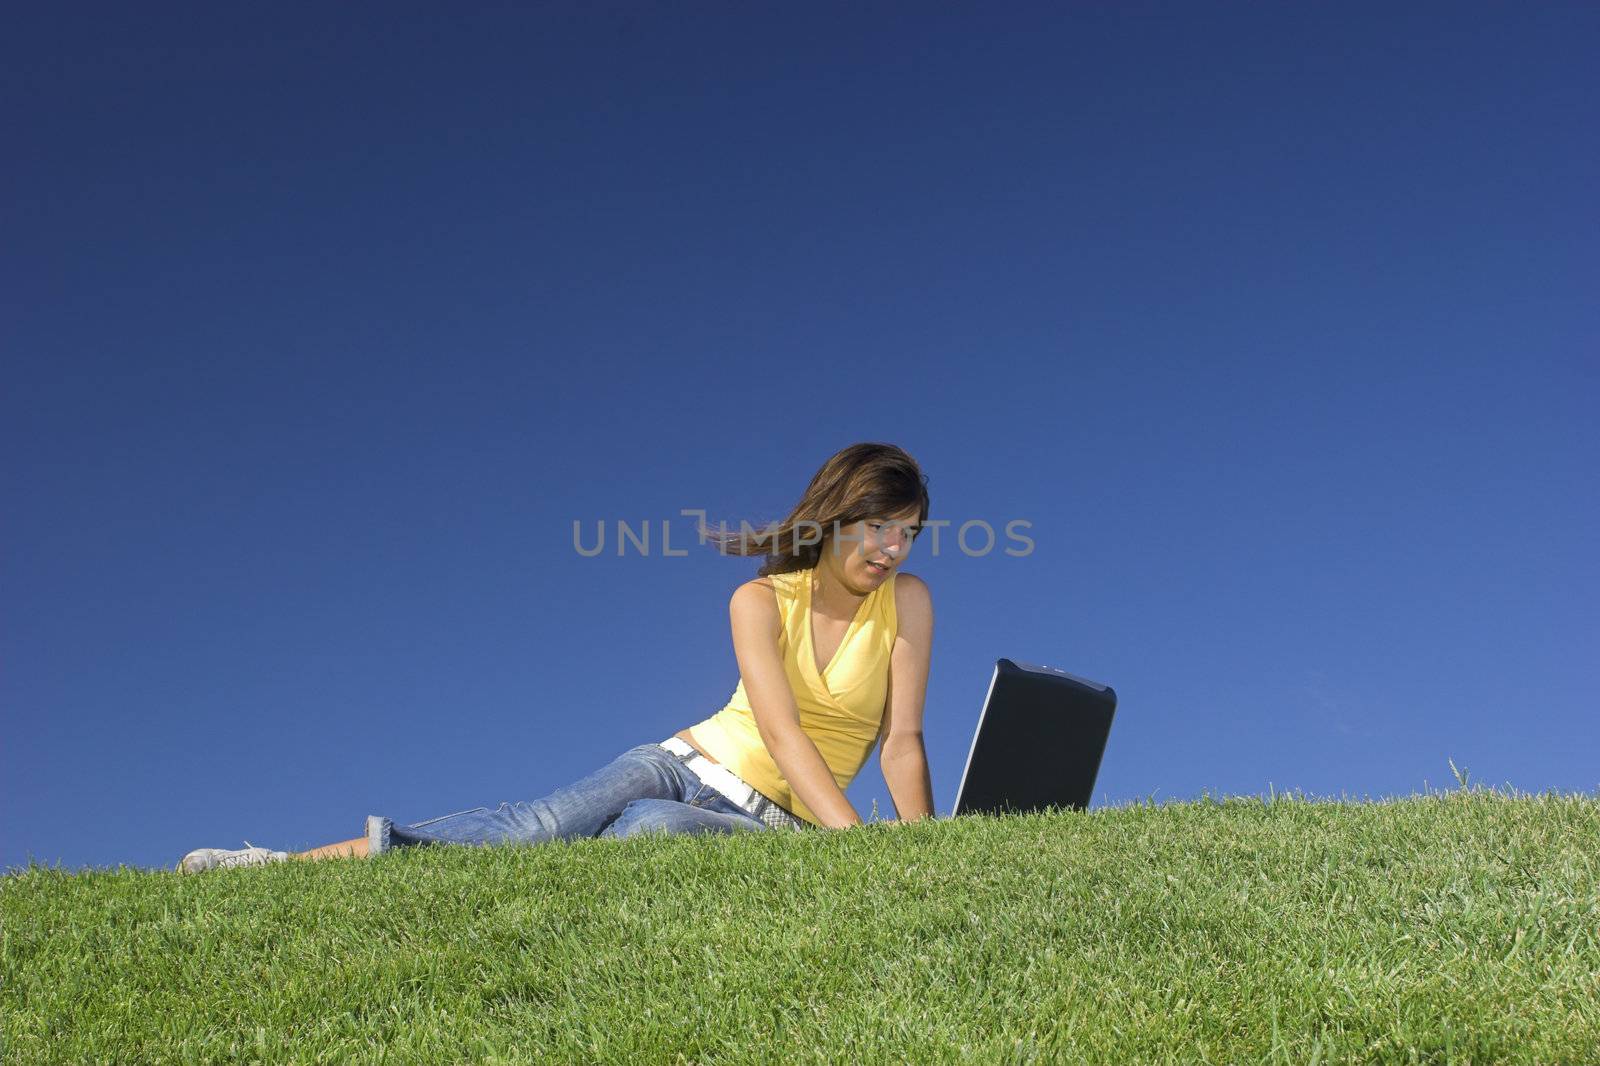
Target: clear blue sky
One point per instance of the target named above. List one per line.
(323, 325)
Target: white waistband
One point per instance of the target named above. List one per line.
(716, 775)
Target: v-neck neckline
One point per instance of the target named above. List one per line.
(811, 638)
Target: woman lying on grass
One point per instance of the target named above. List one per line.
(833, 649)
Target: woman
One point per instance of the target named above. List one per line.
(833, 649)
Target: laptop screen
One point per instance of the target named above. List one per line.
(1039, 741)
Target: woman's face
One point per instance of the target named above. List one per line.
(867, 552)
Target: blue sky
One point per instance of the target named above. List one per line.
(323, 326)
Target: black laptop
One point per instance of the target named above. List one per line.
(1039, 741)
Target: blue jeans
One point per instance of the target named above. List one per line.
(645, 789)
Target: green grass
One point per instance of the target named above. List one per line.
(1451, 927)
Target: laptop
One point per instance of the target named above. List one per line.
(1038, 743)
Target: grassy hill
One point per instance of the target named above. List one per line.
(1454, 927)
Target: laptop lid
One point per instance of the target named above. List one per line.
(1039, 740)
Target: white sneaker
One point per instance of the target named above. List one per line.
(211, 858)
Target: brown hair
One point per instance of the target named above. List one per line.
(862, 481)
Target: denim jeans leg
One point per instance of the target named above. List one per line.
(671, 816)
(582, 809)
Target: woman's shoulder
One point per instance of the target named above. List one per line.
(758, 583)
(905, 579)
(911, 596)
(761, 593)
(781, 584)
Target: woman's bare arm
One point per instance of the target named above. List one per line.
(753, 614)
(902, 756)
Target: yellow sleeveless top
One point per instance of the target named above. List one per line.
(841, 706)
